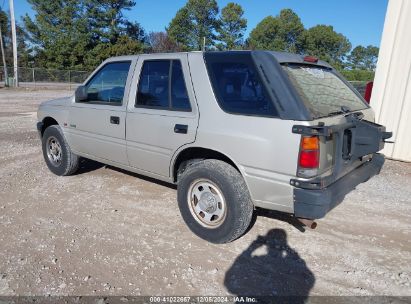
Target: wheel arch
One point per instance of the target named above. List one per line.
(197, 152)
(47, 122)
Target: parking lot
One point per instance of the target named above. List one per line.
(105, 231)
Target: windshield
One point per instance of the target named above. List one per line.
(322, 91)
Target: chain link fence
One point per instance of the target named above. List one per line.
(44, 78)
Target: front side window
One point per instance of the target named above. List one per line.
(323, 92)
(237, 85)
(162, 86)
(108, 85)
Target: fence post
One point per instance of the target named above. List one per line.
(34, 78)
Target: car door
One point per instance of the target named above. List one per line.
(97, 124)
(162, 112)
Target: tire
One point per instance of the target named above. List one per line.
(60, 160)
(223, 193)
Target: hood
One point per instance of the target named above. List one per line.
(57, 102)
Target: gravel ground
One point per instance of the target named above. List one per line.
(109, 232)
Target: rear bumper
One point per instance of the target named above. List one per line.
(315, 204)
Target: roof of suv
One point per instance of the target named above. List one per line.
(281, 57)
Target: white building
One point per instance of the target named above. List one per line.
(391, 97)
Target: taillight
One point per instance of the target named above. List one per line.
(309, 158)
(310, 143)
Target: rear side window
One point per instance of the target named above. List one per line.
(323, 92)
(162, 86)
(179, 96)
(108, 85)
(237, 85)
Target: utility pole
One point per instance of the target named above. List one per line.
(14, 37)
(4, 57)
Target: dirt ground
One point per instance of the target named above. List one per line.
(108, 232)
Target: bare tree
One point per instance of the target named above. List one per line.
(161, 43)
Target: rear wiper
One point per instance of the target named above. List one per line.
(344, 110)
(335, 113)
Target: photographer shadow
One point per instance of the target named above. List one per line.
(269, 267)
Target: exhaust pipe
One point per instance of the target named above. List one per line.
(308, 223)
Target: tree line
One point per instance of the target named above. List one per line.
(80, 34)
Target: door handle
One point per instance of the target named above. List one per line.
(115, 120)
(181, 129)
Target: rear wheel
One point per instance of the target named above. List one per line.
(57, 153)
(214, 201)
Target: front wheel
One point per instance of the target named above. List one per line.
(214, 201)
(57, 153)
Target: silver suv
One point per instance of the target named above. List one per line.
(234, 130)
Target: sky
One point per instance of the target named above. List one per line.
(361, 21)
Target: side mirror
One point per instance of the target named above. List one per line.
(80, 94)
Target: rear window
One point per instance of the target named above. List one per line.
(323, 92)
(237, 85)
